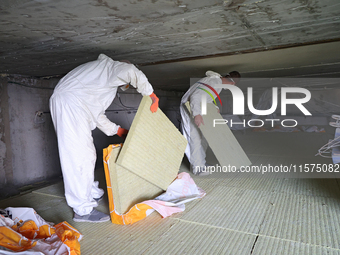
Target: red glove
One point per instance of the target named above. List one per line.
(154, 105)
(122, 132)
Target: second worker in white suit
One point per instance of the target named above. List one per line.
(197, 145)
(77, 107)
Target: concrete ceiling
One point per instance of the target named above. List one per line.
(172, 40)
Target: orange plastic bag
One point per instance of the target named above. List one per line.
(23, 234)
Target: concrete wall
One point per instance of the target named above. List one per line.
(5, 162)
(29, 150)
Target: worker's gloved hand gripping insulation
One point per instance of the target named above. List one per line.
(122, 132)
(155, 100)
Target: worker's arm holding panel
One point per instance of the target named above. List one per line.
(106, 126)
(131, 75)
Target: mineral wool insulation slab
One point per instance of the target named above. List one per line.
(191, 238)
(306, 219)
(270, 246)
(55, 190)
(154, 147)
(110, 239)
(310, 187)
(128, 188)
(231, 208)
(221, 140)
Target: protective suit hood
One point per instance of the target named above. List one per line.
(212, 74)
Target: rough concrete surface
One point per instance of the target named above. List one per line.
(43, 38)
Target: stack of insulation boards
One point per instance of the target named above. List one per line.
(148, 161)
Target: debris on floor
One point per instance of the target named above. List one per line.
(22, 229)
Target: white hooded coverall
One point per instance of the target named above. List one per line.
(77, 107)
(197, 145)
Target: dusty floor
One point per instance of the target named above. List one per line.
(239, 215)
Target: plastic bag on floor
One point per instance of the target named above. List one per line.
(181, 191)
(25, 231)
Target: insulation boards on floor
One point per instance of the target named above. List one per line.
(221, 140)
(149, 159)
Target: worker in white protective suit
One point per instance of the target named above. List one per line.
(197, 144)
(77, 107)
